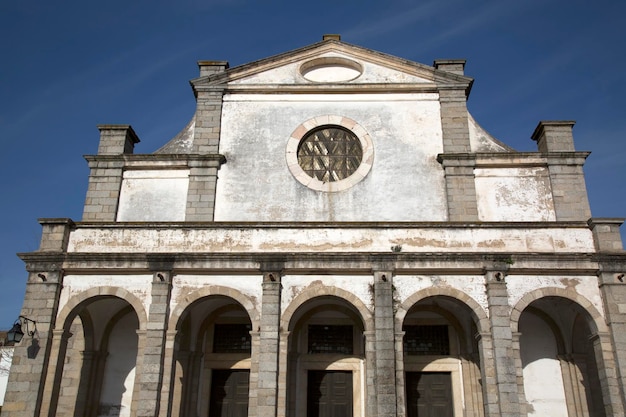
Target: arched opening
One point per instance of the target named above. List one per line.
(211, 375)
(558, 359)
(441, 359)
(326, 358)
(97, 361)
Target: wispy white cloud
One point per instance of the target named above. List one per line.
(379, 26)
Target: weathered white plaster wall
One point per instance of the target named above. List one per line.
(138, 285)
(543, 380)
(223, 239)
(587, 286)
(6, 357)
(514, 194)
(405, 183)
(471, 285)
(358, 285)
(153, 195)
(249, 285)
(119, 372)
(481, 140)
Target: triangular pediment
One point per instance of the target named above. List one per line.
(332, 62)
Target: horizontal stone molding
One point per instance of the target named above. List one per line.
(321, 238)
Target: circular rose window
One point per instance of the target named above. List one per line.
(329, 153)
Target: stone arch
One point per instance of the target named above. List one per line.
(478, 313)
(320, 290)
(70, 307)
(595, 319)
(242, 299)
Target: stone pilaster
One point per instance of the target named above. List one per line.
(454, 120)
(32, 375)
(202, 184)
(103, 190)
(34, 368)
(150, 375)
(606, 235)
(611, 356)
(506, 390)
(385, 344)
(460, 186)
(565, 166)
(267, 384)
(208, 120)
(106, 170)
(116, 139)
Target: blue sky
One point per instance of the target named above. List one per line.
(70, 65)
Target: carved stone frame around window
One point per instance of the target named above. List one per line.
(329, 120)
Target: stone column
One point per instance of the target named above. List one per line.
(400, 375)
(371, 374)
(385, 344)
(267, 384)
(150, 375)
(167, 394)
(505, 387)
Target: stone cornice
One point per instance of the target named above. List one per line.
(565, 264)
(159, 160)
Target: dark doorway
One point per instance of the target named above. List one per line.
(229, 393)
(329, 394)
(429, 394)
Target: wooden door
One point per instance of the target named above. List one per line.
(229, 393)
(429, 394)
(329, 394)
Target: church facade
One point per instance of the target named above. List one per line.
(332, 234)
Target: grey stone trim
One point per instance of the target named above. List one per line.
(208, 119)
(505, 390)
(150, 370)
(117, 139)
(454, 120)
(454, 66)
(606, 234)
(55, 234)
(31, 385)
(460, 187)
(554, 136)
(269, 341)
(614, 301)
(385, 361)
(201, 192)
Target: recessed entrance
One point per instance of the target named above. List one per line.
(329, 394)
(429, 394)
(229, 393)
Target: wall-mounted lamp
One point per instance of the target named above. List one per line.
(16, 333)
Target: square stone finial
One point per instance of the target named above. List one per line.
(455, 66)
(212, 67)
(554, 136)
(606, 234)
(117, 139)
(331, 37)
